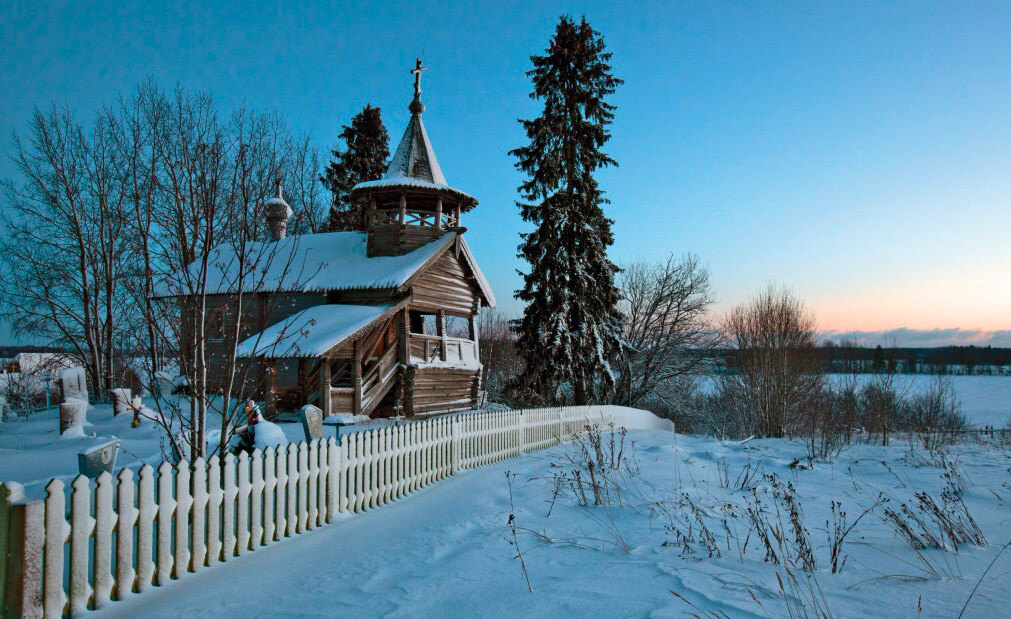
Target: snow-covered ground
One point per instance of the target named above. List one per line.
(32, 451)
(676, 540)
(986, 400)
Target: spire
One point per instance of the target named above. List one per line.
(414, 157)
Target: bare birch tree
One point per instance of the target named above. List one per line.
(774, 377)
(141, 206)
(61, 256)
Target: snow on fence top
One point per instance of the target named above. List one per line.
(186, 517)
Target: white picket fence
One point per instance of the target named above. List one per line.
(122, 535)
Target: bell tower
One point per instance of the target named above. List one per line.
(412, 205)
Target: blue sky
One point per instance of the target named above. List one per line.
(858, 152)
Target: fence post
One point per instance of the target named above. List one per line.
(455, 444)
(22, 535)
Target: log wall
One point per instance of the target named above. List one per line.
(440, 390)
(445, 286)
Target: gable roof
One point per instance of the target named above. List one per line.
(318, 262)
(314, 331)
(305, 263)
(468, 260)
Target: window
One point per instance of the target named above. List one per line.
(215, 329)
(458, 326)
(424, 324)
(287, 373)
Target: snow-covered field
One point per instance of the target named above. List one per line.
(986, 400)
(676, 539)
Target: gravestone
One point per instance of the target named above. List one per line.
(73, 384)
(72, 414)
(120, 401)
(98, 459)
(312, 421)
(164, 382)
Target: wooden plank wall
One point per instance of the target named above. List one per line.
(445, 286)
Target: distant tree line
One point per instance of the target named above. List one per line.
(847, 357)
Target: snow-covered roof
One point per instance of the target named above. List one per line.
(414, 165)
(482, 283)
(314, 331)
(415, 157)
(305, 263)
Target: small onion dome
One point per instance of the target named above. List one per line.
(278, 212)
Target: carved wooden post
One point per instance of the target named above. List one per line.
(405, 338)
(459, 220)
(403, 207)
(438, 214)
(326, 401)
(409, 393)
(474, 335)
(356, 395)
(441, 331)
(372, 210)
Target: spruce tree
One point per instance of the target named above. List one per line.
(367, 148)
(568, 334)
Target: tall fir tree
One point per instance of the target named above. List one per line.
(367, 149)
(568, 334)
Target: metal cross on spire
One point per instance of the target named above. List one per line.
(417, 77)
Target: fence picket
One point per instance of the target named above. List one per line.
(184, 501)
(359, 451)
(230, 492)
(303, 487)
(313, 496)
(291, 500)
(256, 500)
(166, 509)
(126, 518)
(269, 489)
(214, 508)
(57, 531)
(145, 528)
(105, 521)
(81, 525)
(332, 478)
(242, 492)
(199, 496)
(281, 492)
